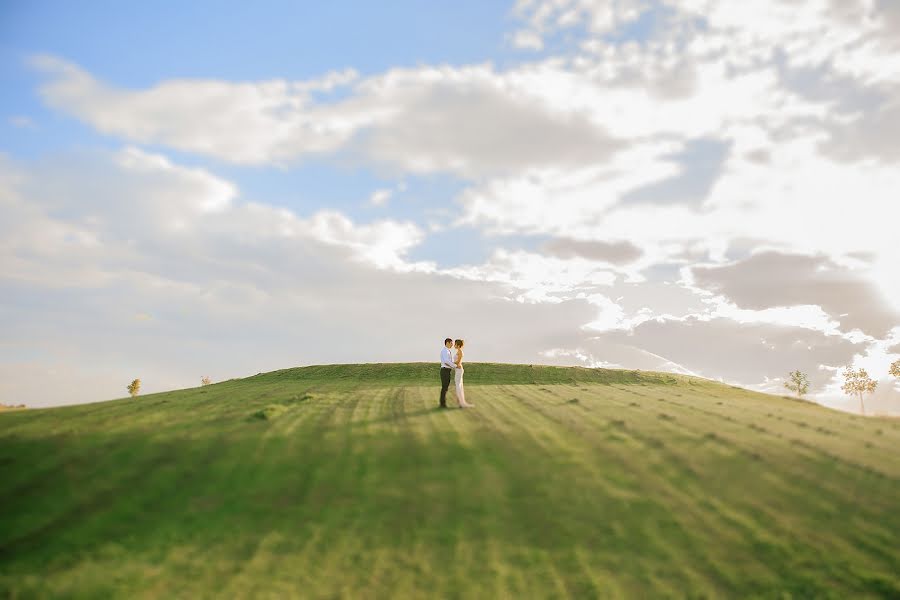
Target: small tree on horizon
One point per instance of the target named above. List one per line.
(799, 383)
(134, 387)
(205, 380)
(857, 383)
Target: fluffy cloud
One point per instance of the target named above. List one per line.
(527, 40)
(111, 208)
(251, 123)
(773, 279)
(547, 17)
(564, 202)
(237, 288)
(472, 120)
(380, 197)
(612, 252)
(538, 278)
(711, 185)
(215, 285)
(747, 353)
(858, 37)
(798, 201)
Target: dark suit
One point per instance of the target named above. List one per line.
(446, 374)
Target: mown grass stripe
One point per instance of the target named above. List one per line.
(366, 489)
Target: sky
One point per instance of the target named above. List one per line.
(222, 188)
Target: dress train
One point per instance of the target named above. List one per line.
(460, 391)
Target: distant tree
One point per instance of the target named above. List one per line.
(134, 387)
(895, 368)
(799, 383)
(205, 380)
(857, 383)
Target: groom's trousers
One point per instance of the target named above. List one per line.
(446, 375)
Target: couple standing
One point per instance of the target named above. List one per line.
(451, 360)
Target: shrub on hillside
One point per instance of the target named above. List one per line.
(799, 383)
(270, 413)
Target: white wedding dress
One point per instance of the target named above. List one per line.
(460, 391)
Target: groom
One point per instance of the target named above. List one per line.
(447, 366)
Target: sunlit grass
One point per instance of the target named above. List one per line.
(347, 481)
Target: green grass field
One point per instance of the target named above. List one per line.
(348, 482)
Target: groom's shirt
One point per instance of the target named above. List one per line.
(447, 358)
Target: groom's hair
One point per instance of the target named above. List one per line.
(448, 340)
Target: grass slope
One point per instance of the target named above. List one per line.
(346, 481)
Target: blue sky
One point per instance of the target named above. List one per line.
(635, 184)
(139, 45)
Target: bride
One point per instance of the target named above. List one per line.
(460, 392)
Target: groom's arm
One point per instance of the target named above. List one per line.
(448, 361)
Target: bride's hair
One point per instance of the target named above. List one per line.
(459, 343)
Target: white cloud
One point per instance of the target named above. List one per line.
(797, 202)
(741, 353)
(564, 201)
(380, 197)
(580, 356)
(236, 290)
(527, 40)
(252, 123)
(595, 153)
(809, 316)
(550, 16)
(469, 120)
(822, 291)
(858, 37)
(144, 193)
(538, 278)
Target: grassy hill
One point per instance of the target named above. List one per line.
(346, 481)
